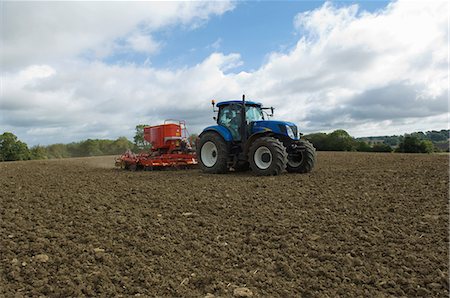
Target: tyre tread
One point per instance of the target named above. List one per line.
(221, 165)
(279, 156)
(308, 162)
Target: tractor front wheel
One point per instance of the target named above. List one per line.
(302, 160)
(212, 153)
(267, 156)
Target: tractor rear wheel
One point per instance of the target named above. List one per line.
(212, 153)
(267, 156)
(302, 160)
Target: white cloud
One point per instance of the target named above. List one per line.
(100, 100)
(143, 43)
(322, 21)
(378, 73)
(45, 32)
(347, 56)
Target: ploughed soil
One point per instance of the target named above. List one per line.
(359, 225)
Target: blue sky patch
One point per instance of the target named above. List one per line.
(253, 29)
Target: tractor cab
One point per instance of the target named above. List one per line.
(230, 116)
(244, 139)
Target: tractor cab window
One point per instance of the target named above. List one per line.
(253, 113)
(230, 117)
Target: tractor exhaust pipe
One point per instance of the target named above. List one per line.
(243, 122)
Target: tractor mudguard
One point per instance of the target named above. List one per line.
(221, 130)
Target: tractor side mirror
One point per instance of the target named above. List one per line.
(213, 103)
(214, 118)
(271, 111)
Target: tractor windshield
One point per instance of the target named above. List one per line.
(230, 117)
(253, 113)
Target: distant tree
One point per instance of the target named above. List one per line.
(57, 151)
(340, 140)
(409, 144)
(438, 136)
(89, 148)
(105, 147)
(319, 140)
(426, 146)
(381, 147)
(73, 149)
(362, 146)
(38, 152)
(138, 138)
(392, 141)
(120, 145)
(412, 144)
(417, 142)
(12, 148)
(420, 135)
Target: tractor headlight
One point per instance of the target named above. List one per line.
(290, 132)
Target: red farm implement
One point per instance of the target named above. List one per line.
(170, 147)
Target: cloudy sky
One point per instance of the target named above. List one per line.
(78, 70)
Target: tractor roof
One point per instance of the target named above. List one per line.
(228, 102)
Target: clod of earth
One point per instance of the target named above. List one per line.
(242, 292)
(43, 258)
(188, 214)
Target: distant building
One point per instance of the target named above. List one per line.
(375, 141)
(444, 146)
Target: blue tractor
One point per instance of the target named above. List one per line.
(244, 139)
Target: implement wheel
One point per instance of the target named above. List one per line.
(303, 159)
(267, 156)
(212, 153)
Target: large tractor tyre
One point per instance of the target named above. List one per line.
(212, 153)
(303, 160)
(267, 156)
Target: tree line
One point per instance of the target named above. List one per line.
(340, 140)
(439, 138)
(11, 148)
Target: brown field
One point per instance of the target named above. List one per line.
(358, 225)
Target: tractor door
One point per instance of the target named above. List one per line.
(230, 117)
